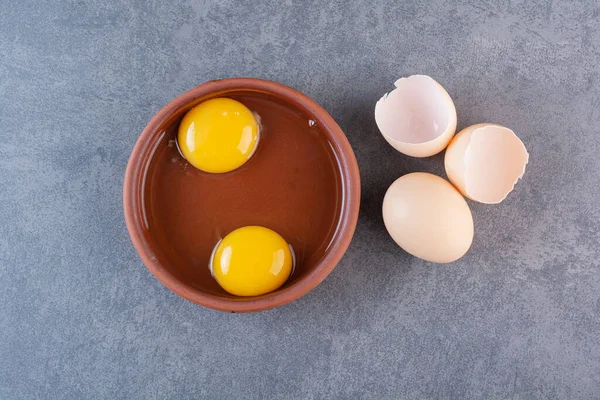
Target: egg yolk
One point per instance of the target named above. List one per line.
(251, 261)
(218, 135)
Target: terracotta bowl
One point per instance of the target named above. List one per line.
(282, 187)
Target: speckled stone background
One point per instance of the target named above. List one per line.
(517, 318)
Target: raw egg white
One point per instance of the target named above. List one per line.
(428, 217)
(418, 118)
(485, 161)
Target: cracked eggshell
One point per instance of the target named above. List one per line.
(428, 217)
(485, 161)
(418, 118)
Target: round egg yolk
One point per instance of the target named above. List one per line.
(251, 261)
(218, 135)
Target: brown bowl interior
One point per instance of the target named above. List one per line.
(302, 182)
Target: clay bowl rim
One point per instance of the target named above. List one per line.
(140, 158)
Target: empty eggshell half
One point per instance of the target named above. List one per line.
(418, 118)
(428, 217)
(485, 161)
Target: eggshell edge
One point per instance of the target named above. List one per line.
(455, 160)
(432, 147)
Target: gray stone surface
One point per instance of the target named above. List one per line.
(517, 318)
